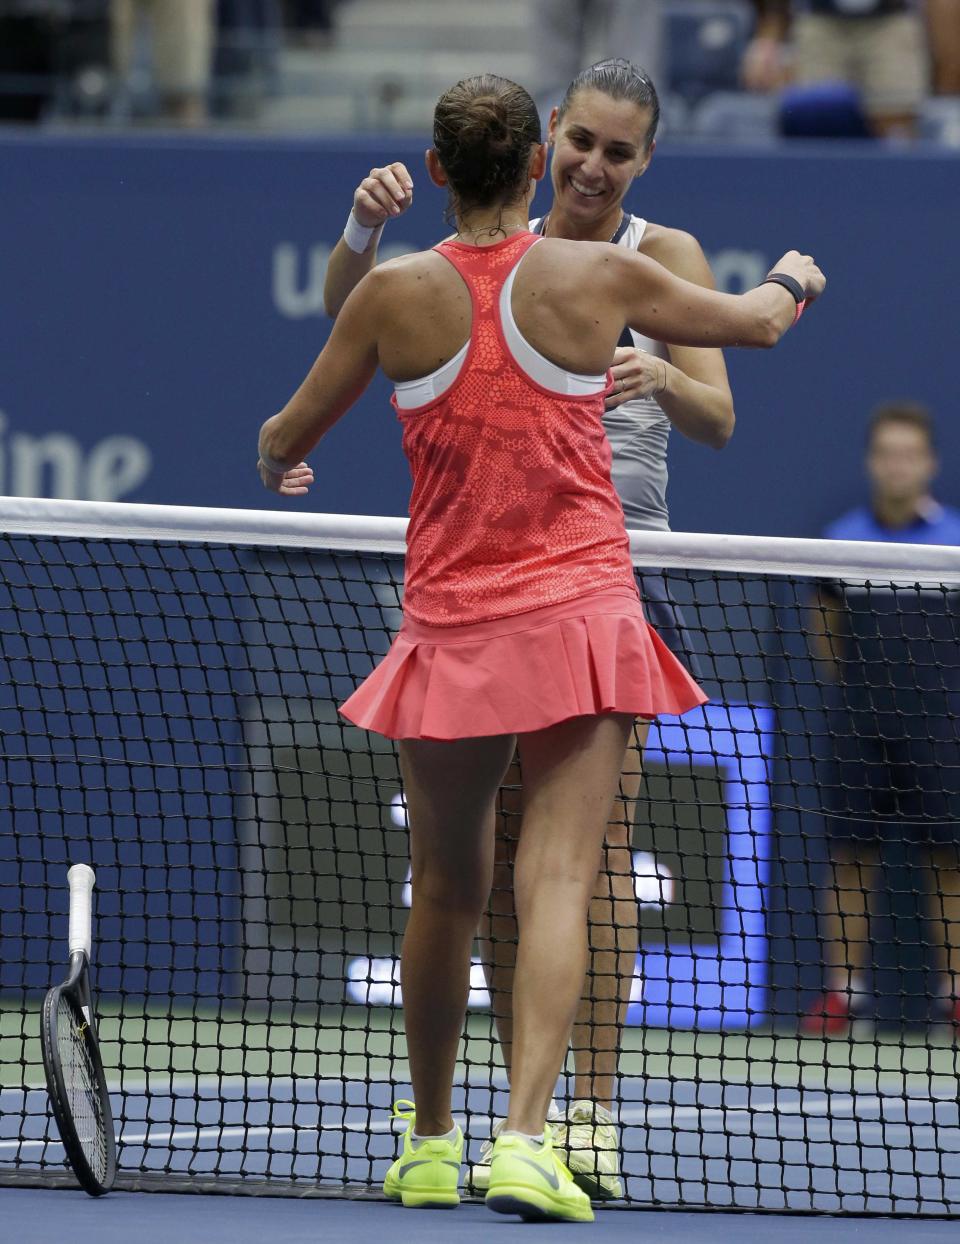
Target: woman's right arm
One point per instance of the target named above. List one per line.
(341, 373)
(386, 192)
(670, 309)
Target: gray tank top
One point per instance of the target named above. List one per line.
(638, 431)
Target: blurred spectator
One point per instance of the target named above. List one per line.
(26, 58)
(943, 19)
(569, 35)
(249, 41)
(883, 48)
(182, 35)
(52, 54)
(889, 660)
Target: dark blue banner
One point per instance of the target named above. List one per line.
(160, 298)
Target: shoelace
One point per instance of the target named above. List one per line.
(486, 1149)
(406, 1110)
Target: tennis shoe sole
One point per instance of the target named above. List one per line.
(533, 1206)
(426, 1198)
(417, 1196)
(530, 1180)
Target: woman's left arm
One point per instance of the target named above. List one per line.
(692, 388)
(341, 373)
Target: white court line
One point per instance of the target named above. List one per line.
(186, 1080)
(628, 1117)
(219, 1133)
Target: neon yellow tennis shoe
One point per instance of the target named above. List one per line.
(478, 1176)
(426, 1175)
(591, 1148)
(530, 1180)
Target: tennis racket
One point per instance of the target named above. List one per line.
(71, 1056)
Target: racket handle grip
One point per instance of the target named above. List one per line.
(80, 879)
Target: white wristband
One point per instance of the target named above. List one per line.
(358, 236)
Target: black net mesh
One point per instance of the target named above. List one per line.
(780, 905)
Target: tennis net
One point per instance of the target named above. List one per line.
(168, 714)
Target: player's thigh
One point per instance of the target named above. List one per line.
(619, 835)
(571, 775)
(450, 791)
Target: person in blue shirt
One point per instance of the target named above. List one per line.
(890, 656)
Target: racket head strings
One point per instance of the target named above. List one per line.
(75, 1080)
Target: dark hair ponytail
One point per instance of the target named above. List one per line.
(620, 79)
(483, 129)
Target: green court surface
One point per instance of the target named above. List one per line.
(353, 1043)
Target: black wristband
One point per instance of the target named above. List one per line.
(788, 282)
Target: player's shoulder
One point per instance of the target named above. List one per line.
(559, 246)
(393, 277)
(565, 255)
(678, 251)
(663, 243)
(413, 261)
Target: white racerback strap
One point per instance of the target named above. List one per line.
(411, 394)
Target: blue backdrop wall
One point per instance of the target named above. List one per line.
(159, 298)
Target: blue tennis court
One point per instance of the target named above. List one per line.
(34, 1217)
(710, 1144)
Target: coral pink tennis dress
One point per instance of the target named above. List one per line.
(520, 605)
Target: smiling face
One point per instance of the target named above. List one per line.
(600, 145)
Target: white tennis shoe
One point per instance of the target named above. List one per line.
(589, 1144)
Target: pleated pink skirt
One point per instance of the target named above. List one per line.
(595, 654)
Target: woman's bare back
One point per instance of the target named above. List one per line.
(424, 311)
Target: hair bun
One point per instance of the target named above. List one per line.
(483, 131)
(486, 122)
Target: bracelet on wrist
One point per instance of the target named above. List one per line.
(792, 286)
(788, 282)
(359, 237)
